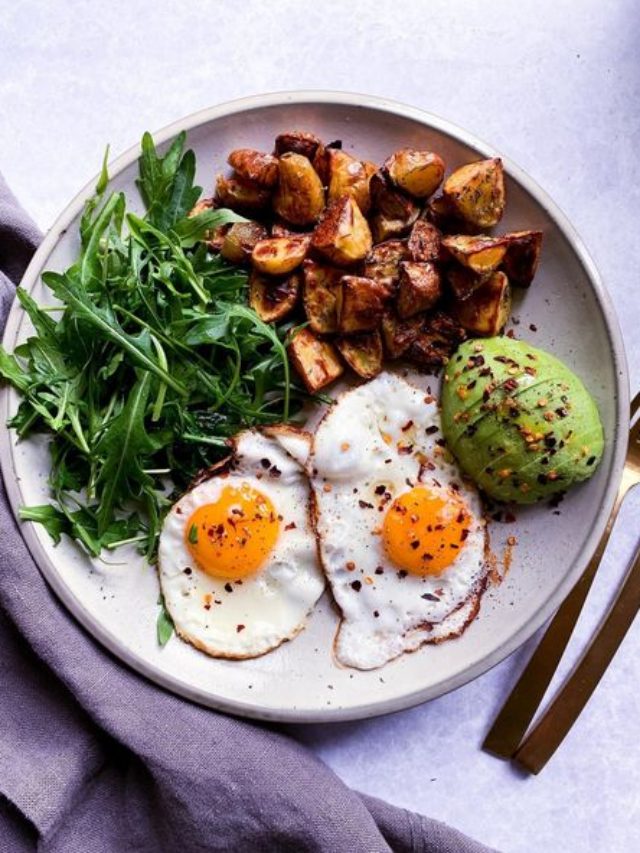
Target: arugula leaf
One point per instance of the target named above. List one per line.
(11, 370)
(103, 320)
(164, 625)
(192, 229)
(122, 445)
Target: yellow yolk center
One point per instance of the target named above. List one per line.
(232, 537)
(424, 530)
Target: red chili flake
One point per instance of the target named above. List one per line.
(511, 334)
(380, 490)
(379, 570)
(364, 504)
(429, 596)
(207, 606)
(407, 426)
(351, 565)
(376, 614)
(266, 463)
(275, 472)
(511, 384)
(178, 511)
(431, 430)
(238, 582)
(188, 570)
(531, 371)
(240, 628)
(427, 557)
(533, 327)
(228, 587)
(461, 516)
(405, 449)
(402, 574)
(464, 535)
(291, 526)
(356, 585)
(415, 544)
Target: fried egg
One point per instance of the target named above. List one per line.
(237, 557)
(401, 535)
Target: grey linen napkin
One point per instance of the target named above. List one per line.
(95, 758)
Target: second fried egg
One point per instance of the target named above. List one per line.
(401, 535)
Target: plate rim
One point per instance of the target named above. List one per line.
(553, 601)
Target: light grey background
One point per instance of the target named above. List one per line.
(554, 86)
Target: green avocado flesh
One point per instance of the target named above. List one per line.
(519, 422)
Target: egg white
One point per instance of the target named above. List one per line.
(386, 433)
(248, 616)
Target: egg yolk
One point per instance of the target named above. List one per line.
(424, 530)
(232, 537)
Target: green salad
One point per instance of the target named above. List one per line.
(151, 361)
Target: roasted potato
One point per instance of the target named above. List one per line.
(260, 168)
(392, 202)
(320, 295)
(239, 241)
(363, 353)
(398, 335)
(436, 341)
(523, 253)
(476, 192)
(420, 288)
(360, 304)
(383, 263)
(281, 229)
(297, 142)
(317, 361)
(342, 235)
(441, 213)
(481, 254)
(462, 281)
(384, 229)
(273, 298)
(280, 255)
(487, 310)
(424, 243)
(418, 173)
(241, 195)
(299, 196)
(347, 176)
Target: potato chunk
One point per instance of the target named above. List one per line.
(360, 304)
(347, 176)
(523, 253)
(299, 196)
(398, 335)
(420, 287)
(424, 242)
(343, 234)
(317, 361)
(383, 263)
(481, 254)
(260, 168)
(273, 298)
(463, 281)
(441, 213)
(279, 255)
(392, 202)
(487, 310)
(476, 191)
(418, 173)
(298, 142)
(436, 341)
(320, 296)
(363, 353)
(239, 241)
(241, 195)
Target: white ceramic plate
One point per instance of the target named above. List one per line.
(116, 600)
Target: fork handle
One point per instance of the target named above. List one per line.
(514, 719)
(555, 724)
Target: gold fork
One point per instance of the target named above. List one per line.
(515, 717)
